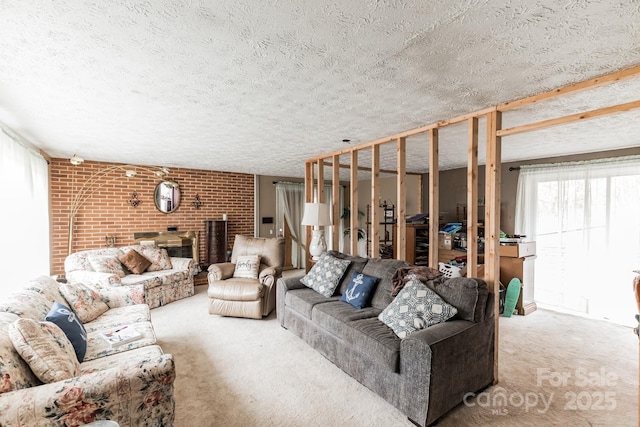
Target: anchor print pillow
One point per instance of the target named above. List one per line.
(360, 290)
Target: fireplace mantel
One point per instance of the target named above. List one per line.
(172, 240)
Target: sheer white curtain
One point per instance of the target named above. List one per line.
(25, 212)
(290, 206)
(290, 200)
(585, 219)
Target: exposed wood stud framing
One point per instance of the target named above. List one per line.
(367, 169)
(434, 198)
(605, 111)
(320, 181)
(492, 174)
(577, 87)
(492, 221)
(374, 233)
(335, 187)
(472, 198)
(353, 218)
(401, 211)
(308, 195)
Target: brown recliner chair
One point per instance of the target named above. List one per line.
(247, 297)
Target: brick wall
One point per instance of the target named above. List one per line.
(106, 211)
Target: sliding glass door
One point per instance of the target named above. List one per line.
(585, 218)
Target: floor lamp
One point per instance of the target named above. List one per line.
(316, 215)
(98, 180)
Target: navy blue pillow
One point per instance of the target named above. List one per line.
(71, 325)
(360, 289)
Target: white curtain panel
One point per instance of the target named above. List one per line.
(25, 212)
(290, 199)
(585, 219)
(290, 206)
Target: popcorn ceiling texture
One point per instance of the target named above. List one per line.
(257, 87)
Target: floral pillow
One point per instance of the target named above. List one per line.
(160, 259)
(247, 266)
(46, 348)
(106, 264)
(15, 373)
(415, 307)
(84, 301)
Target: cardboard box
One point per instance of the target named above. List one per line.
(445, 240)
(519, 250)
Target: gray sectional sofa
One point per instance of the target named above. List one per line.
(424, 375)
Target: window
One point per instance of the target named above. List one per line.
(585, 219)
(24, 214)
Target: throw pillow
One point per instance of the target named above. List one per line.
(45, 347)
(247, 266)
(325, 274)
(159, 257)
(135, 261)
(106, 264)
(415, 307)
(83, 300)
(73, 328)
(359, 291)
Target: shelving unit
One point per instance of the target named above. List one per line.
(386, 230)
(418, 244)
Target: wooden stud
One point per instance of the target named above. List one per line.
(353, 218)
(472, 199)
(308, 195)
(434, 198)
(374, 233)
(401, 225)
(492, 223)
(335, 229)
(320, 181)
(410, 133)
(366, 169)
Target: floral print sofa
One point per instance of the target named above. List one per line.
(131, 384)
(167, 279)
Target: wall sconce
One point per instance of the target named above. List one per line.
(197, 202)
(110, 241)
(134, 201)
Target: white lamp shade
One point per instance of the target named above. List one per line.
(316, 214)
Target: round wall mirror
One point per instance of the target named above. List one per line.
(167, 196)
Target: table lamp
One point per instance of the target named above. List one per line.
(316, 214)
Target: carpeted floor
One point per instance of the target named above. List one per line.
(555, 369)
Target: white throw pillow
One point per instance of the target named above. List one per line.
(247, 266)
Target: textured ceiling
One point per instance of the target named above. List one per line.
(258, 87)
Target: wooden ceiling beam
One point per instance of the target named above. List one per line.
(577, 87)
(605, 111)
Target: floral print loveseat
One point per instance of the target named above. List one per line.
(167, 279)
(131, 384)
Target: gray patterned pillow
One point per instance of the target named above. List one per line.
(415, 307)
(325, 275)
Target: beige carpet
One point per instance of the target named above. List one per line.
(242, 372)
